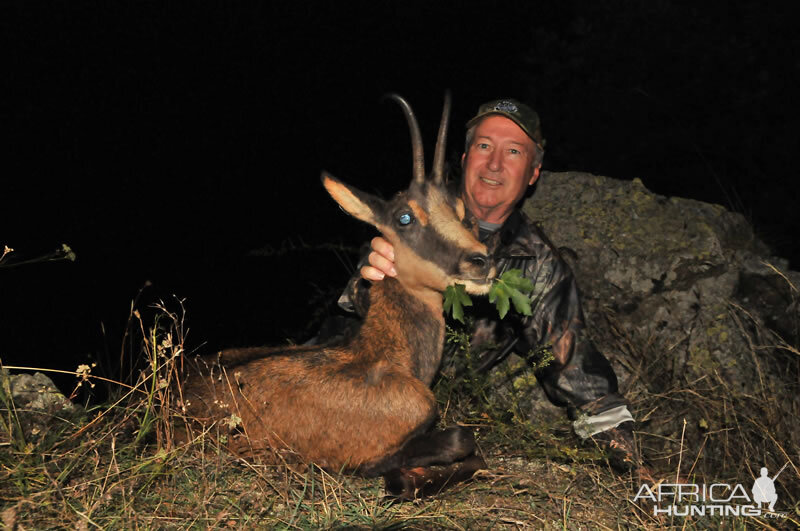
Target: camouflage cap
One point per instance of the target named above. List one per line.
(519, 113)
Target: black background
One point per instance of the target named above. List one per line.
(166, 141)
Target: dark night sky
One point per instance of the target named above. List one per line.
(165, 140)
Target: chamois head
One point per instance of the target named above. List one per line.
(425, 224)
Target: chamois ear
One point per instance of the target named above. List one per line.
(355, 202)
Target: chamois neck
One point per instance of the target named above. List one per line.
(408, 323)
(394, 291)
(428, 297)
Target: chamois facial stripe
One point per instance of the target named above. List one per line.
(417, 273)
(419, 212)
(444, 219)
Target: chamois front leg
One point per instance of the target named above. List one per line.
(415, 483)
(416, 474)
(427, 448)
(438, 448)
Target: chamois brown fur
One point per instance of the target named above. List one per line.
(338, 406)
(365, 405)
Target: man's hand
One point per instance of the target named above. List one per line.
(381, 260)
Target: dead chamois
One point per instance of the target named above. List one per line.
(366, 406)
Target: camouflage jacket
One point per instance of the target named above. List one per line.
(579, 376)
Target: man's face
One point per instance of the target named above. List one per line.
(498, 168)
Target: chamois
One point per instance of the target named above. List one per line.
(365, 405)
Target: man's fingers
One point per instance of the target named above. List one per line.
(383, 248)
(371, 274)
(381, 261)
(381, 265)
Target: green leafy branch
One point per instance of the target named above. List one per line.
(455, 298)
(510, 288)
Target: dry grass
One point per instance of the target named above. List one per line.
(122, 465)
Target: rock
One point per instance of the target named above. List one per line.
(675, 290)
(38, 404)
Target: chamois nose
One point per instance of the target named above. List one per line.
(476, 266)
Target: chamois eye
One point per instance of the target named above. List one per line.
(405, 219)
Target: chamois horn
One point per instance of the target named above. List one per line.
(416, 138)
(441, 141)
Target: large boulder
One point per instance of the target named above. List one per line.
(667, 268)
(689, 305)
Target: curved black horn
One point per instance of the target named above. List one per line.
(416, 138)
(441, 140)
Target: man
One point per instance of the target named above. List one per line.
(502, 159)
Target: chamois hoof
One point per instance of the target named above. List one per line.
(413, 484)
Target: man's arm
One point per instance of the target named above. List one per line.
(579, 377)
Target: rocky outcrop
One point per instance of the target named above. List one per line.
(688, 278)
(696, 315)
(32, 403)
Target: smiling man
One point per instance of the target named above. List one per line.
(500, 162)
(502, 159)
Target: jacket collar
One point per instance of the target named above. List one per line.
(511, 228)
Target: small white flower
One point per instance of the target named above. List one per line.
(233, 421)
(167, 342)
